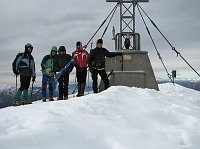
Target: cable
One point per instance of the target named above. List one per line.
(108, 23)
(173, 48)
(101, 25)
(169, 76)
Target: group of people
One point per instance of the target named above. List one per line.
(24, 66)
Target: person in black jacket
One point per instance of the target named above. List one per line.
(96, 63)
(24, 66)
(60, 61)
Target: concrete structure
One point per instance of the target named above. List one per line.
(131, 69)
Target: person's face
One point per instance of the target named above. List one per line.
(79, 47)
(99, 45)
(62, 52)
(29, 50)
(53, 53)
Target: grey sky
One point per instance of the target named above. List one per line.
(44, 23)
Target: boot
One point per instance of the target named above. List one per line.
(24, 97)
(18, 95)
(82, 89)
(79, 90)
(44, 99)
(17, 98)
(51, 98)
(60, 98)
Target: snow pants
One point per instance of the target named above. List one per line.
(47, 80)
(103, 76)
(81, 75)
(63, 85)
(24, 82)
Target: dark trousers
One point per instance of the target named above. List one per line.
(63, 85)
(24, 82)
(81, 75)
(104, 77)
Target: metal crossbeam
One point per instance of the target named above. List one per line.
(127, 18)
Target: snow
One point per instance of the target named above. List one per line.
(118, 118)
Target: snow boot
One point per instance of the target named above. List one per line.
(51, 99)
(17, 98)
(25, 97)
(82, 89)
(44, 99)
(79, 90)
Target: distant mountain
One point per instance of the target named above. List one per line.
(193, 84)
(7, 94)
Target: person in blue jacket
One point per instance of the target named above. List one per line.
(24, 66)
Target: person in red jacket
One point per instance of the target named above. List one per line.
(81, 67)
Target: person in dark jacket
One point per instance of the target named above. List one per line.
(48, 74)
(24, 66)
(60, 61)
(96, 63)
(80, 63)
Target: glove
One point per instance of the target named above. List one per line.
(48, 70)
(16, 73)
(33, 79)
(55, 69)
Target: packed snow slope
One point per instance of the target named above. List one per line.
(118, 118)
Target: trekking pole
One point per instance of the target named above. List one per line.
(39, 90)
(75, 86)
(32, 89)
(88, 83)
(16, 82)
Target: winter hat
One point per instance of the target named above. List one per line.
(100, 41)
(62, 48)
(28, 45)
(54, 48)
(78, 43)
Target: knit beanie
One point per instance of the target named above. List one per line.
(100, 41)
(62, 48)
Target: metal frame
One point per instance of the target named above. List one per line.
(127, 21)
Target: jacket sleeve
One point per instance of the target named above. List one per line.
(43, 63)
(69, 57)
(33, 67)
(90, 59)
(55, 64)
(109, 54)
(15, 63)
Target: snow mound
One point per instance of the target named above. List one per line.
(118, 118)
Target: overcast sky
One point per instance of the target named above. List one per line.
(45, 23)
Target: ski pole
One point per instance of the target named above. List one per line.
(32, 89)
(75, 86)
(39, 90)
(16, 82)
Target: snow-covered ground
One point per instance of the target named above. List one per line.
(118, 118)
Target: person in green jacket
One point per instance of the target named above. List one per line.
(48, 74)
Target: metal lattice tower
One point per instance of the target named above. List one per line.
(127, 22)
